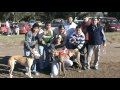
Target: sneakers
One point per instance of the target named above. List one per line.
(88, 67)
(96, 68)
(84, 68)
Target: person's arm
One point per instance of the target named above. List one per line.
(104, 38)
(52, 40)
(28, 39)
(72, 39)
(33, 43)
(82, 41)
(40, 38)
(64, 39)
(46, 36)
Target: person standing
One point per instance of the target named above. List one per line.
(41, 48)
(85, 25)
(46, 40)
(31, 41)
(96, 39)
(70, 27)
(77, 41)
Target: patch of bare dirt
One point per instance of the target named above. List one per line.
(109, 64)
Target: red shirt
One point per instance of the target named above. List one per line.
(63, 51)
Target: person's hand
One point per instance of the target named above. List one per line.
(35, 33)
(36, 42)
(31, 50)
(43, 42)
(48, 44)
(45, 32)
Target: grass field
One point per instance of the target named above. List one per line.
(111, 37)
(12, 38)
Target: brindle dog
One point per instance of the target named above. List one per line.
(62, 57)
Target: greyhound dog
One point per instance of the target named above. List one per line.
(23, 60)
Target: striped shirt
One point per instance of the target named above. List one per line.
(77, 39)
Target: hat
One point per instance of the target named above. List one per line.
(59, 36)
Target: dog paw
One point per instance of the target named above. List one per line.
(31, 77)
(11, 76)
(63, 76)
(26, 74)
(78, 70)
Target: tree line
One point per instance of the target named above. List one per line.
(43, 16)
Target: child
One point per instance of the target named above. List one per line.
(77, 40)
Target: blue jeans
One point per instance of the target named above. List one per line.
(27, 53)
(47, 52)
(41, 50)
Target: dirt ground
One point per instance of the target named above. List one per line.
(109, 64)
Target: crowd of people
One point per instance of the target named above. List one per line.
(9, 29)
(86, 37)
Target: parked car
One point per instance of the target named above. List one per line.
(3, 28)
(32, 22)
(78, 21)
(24, 27)
(57, 22)
(112, 25)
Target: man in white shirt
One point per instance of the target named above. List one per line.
(70, 27)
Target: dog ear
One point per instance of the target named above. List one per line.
(32, 55)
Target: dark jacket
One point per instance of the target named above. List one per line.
(84, 29)
(96, 35)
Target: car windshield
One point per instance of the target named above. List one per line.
(28, 24)
(114, 22)
(58, 21)
(21, 24)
